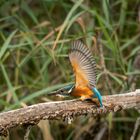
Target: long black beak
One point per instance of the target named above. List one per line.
(53, 93)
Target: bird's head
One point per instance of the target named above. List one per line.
(63, 92)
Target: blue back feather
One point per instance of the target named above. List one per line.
(68, 87)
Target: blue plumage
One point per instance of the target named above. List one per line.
(69, 87)
(97, 94)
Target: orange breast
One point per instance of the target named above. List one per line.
(82, 91)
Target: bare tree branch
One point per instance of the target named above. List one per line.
(66, 110)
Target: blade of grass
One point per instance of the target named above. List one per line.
(122, 15)
(9, 84)
(30, 54)
(66, 21)
(106, 10)
(6, 44)
(4, 103)
(6, 92)
(28, 10)
(129, 42)
(37, 94)
(73, 20)
(116, 79)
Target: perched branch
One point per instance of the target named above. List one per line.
(66, 110)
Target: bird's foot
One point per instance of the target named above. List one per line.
(94, 100)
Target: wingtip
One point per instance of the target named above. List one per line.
(77, 43)
(82, 55)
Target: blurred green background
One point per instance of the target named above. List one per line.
(35, 38)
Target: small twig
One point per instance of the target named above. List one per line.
(28, 129)
(136, 130)
(102, 131)
(66, 109)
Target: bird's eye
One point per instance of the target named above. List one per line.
(61, 91)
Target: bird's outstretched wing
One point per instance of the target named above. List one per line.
(83, 64)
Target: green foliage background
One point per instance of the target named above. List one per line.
(30, 67)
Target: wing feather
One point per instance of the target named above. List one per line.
(83, 64)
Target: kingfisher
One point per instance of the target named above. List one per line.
(84, 68)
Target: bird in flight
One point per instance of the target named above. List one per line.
(84, 68)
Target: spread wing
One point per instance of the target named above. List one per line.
(83, 64)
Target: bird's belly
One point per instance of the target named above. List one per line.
(80, 91)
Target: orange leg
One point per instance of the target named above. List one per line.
(96, 101)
